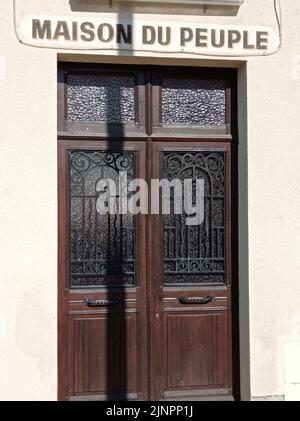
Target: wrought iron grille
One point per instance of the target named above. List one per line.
(195, 254)
(102, 246)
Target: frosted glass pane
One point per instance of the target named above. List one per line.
(100, 98)
(193, 102)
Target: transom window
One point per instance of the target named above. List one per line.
(108, 102)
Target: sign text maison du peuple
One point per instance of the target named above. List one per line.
(164, 36)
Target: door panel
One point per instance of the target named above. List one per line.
(201, 349)
(191, 298)
(104, 280)
(104, 368)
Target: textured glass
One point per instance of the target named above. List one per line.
(195, 254)
(104, 99)
(102, 247)
(193, 102)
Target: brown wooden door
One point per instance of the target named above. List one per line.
(145, 301)
(103, 284)
(190, 282)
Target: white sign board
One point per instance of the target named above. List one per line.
(162, 36)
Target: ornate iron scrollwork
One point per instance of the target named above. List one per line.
(195, 254)
(102, 246)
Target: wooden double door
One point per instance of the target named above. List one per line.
(145, 300)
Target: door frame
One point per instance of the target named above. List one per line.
(62, 179)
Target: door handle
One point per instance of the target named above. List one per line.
(195, 300)
(100, 303)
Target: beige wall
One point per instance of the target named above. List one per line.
(269, 141)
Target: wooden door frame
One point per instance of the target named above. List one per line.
(231, 138)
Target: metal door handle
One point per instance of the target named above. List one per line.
(100, 303)
(195, 300)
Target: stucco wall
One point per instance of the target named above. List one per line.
(269, 122)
